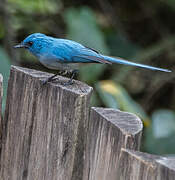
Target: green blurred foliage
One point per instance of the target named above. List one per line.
(142, 31)
(115, 96)
(39, 6)
(5, 71)
(160, 136)
(86, 23)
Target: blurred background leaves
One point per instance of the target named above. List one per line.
(141, 31)
(82, 27)
(115, 96)
(4, 70)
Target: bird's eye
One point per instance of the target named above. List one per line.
(30, 43)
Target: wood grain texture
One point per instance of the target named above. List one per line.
(1, 94)
(45, 127)
(136, 165)
(109, 131)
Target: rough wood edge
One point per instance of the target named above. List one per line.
(167, 161)
(33, 80)
(109, 131)
(1, 92)
(135, 165)
(78, 87)
(134, 123)
(1, 96)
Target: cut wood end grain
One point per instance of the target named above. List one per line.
(77, 87)
(127, 122)
(144, 157)
(45, 128)
(169, 162)
(151, 160)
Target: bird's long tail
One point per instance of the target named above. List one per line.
(122, 61)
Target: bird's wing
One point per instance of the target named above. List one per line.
(92, 49)
(88, 55)
(89, 59)
(71, 52)
(68, 51)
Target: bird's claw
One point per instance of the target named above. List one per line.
(52, 78)
(70, 82)
(44, 82)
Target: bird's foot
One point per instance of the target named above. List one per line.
(50, 79)
(44, 82)
(62, 73)
(70, 82)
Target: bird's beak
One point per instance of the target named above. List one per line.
(20, 46)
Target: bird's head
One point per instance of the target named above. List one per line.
(33, 42)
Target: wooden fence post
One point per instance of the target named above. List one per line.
(109, 131)
(47, 135)
(136, 165)
(1, 94)
(44, 128)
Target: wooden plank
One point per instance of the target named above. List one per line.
(1, 94)
(136, 165)
(109, 131)
(44, 133)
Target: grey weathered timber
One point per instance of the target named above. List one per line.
(136, 165)
(44, 129)
(109, 131)
(1, 94)
(47, 134)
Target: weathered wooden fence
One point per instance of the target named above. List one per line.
(49, 133)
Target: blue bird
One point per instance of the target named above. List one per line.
(63, 54)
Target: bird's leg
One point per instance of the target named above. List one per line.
(50, 79)
(70, 80)
(63, 72)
